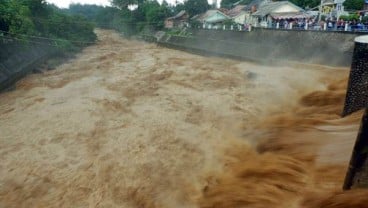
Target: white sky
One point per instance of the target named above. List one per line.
(65, 3)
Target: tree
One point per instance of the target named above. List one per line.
(164, 3)
(155, 16)
(178, 7)
(88, 11)
(354, 4)
(350, 17)
(36, 7)
(23, 19)
(194, 7)
(15, 17)
(4, 16)
(147, 16)
(125, 3)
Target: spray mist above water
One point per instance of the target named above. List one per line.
(130, 124)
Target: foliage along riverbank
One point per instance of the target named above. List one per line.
(37, 22)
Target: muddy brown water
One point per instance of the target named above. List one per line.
(130, 124)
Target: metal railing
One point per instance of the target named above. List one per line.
(290, 26)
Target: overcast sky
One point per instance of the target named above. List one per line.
(65, 3)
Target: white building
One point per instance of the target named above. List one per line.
(267, 12)
(333, 8)
(211, 18)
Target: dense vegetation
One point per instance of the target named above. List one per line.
(37, 21)
(127, 18)
(194, 7)
(354, 4)
(134, 16)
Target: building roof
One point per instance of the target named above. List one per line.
(290, 15)
(223, 10)
(255, 3)
(270, 7)
(236, 11)
(178, 15)
(209, 13)
(328, 2)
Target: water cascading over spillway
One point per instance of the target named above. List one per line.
(130, 124)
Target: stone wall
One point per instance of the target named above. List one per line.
(265, 45)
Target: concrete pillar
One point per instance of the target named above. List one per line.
(356, 99)
(277, 25)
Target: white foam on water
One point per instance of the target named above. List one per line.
(362, 39)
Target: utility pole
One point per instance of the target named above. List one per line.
(320, 11)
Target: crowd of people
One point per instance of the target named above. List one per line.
(314, 24)
(352, 25)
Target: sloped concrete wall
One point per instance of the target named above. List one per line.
(19, 58)
(265, 45)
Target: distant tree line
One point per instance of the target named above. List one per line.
(134, 16)
(26, 19)
(354, 4)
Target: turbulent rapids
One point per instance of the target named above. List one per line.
(130, 124)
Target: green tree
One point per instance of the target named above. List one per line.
(194, 7)
(354, 4)
(16, 18)
(155, 15)
(165, 4)
(126, 3)
(350, 17)
(88, 11)
(178, 7)
(27, 18)
(37, 7)
(5, 16)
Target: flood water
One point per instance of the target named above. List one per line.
(133, 125)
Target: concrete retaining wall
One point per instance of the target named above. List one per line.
(19, 58)
(265, 45)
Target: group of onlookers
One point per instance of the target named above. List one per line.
(313, 24)
(351, 25)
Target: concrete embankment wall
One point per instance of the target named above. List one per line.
(18, 58)
(265, 45)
